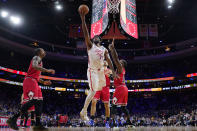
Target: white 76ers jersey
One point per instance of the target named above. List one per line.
(96, 57)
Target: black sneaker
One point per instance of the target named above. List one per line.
(129, 125)
(40, 128)
(12, 124)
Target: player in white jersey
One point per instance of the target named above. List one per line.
(95, 73)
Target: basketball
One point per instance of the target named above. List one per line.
(83, 8)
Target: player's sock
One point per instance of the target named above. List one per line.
(38, 111)
(88, 99)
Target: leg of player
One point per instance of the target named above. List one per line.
(38, 112)
(107, 114)
(22, 120)
(107, 111)
(26, 119)
(12, 121)
(32, 118)
(113, 114)
(93, 111)
(126, 112)
(89, 98)
(93, 108)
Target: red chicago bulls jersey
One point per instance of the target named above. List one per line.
(107, 75)
(121, 80)
(33, 73)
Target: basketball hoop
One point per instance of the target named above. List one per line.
(113, 6)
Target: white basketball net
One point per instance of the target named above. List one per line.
(113, 6)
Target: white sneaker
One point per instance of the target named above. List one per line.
(84, 116)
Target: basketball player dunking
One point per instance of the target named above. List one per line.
(95, 72)
(104, 96)
(120, 96)
(31, 90)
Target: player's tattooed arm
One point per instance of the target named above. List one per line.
(47, 82)
(85, 31)
(35, 64)
(115, 57)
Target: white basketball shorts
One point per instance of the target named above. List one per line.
(96, 79)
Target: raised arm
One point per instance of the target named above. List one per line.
(85, 31)
(107, 57)
(115, 57)
(35, 65)
(22, 97)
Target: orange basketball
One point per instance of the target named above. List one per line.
(83, 8)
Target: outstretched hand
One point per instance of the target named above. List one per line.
(111, 45)
(51, 71)
(82, 13)
(47, 83)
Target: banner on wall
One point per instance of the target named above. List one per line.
(128, 17)
(143, 28)
(99, 17)
(153, 30)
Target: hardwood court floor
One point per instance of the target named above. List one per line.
(114, 129)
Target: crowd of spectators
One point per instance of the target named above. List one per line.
(168, 108)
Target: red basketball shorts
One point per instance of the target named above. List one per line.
(103, 95)
(31, 89)
(120, 96)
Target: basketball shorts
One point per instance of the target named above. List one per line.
(96, 79)
(103, 95)
(31, 89)
(120, 96)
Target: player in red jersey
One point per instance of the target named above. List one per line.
(120, 96)
(31, 90)
(102, 95)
